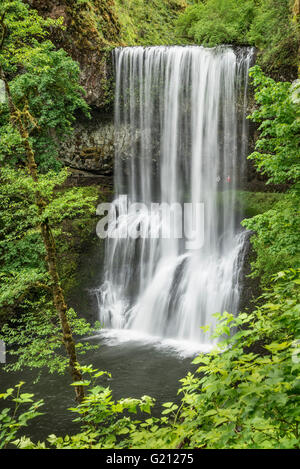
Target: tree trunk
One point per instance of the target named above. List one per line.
(49, 243)
(296, 14)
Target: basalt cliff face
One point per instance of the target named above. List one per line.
(92, 29)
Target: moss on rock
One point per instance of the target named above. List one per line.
(254, 203)
(149, 23)
(77, 235)
(94, 27)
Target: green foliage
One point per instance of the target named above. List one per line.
(217, 22)
(250, 204)
(21, 29)
(245, 393)
(11, 420)
(276, 35)
(278, 152)
(254, 203)
(148, 23)
(276, 238)
(20, 244)
(105, 24)
(266, 24)
(45, 92)
(44, 83)
(36, 340)
(105, 423)
(25, 286)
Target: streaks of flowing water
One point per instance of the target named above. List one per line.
(184, 110)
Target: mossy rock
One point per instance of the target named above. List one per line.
(78, 235)
(254, 203)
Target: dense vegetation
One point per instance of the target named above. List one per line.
(24, 47)
(149, 23)
(122, 22)
(277, 156)
(245, 394)
(269, 25)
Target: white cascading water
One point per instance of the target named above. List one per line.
(184, 109)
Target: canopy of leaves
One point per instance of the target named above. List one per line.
(276, 239)
(216, 22)
(22, 264)
(21, 28)
(36, 341)
(25, 285)
(278, 116)
(43, 82)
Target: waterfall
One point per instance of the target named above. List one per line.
(184, 110)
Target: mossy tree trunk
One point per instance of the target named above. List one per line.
(49, 243)
(296, 13)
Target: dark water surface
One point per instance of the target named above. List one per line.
(139, 365)
(138, 368)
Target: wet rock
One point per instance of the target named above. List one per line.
(250, 287)
(90, 151)
(91, 31)
(91, 148)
